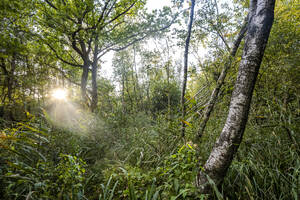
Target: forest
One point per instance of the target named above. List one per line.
(149, 99)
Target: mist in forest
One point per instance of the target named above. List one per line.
(68, 115)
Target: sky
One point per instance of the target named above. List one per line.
(157, 4)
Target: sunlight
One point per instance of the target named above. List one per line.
(59, 94)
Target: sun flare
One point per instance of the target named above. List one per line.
(59, 94)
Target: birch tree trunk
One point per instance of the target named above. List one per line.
(185, 67)
(260, 22)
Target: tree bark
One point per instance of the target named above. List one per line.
(84, 79)
(214, 96)
(10, 78)
(94, 102)
(259, 26)
(5, 73)
(185, 67)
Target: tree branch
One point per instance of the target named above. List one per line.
(145, 34)
(60, 58)
(119, 15)
(50, 4)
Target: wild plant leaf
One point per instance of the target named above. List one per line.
(31, 128)
(215, 188)
(181, 193)
(155, 196)
(176, 185)
(132, 195)
(187, 123)
(113, 190)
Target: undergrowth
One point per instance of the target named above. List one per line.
(146, 159)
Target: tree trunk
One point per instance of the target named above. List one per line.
(123, 94)
(185, 67)
(6, 75)
(94, 87)
(94, 102)
(139, 93)
(10, 79)
(134, 80)
(259, 26)
(84, 79)
(214, 96)
(169, 92)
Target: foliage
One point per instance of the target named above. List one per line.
(30, 170)
(174, 179)
(267, 170)
(159, 99)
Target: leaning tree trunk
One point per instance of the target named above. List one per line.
(214, 95)
(185, 67)
(259, 26)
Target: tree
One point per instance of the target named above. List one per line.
(185, 68)
(260, 22)
(15, 64)
(80, 33)
(214, 95)
(122, 69)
